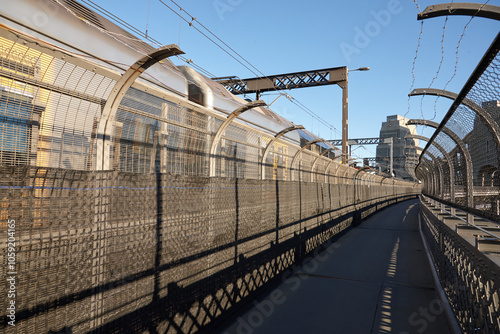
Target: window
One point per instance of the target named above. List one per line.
(19, 124)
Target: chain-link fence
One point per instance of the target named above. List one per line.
(461, 163)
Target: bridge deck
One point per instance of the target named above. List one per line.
(374, 279)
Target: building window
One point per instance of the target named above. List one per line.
(19, 124)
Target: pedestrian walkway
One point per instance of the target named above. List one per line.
(374, 279)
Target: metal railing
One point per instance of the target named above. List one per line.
(470, 280)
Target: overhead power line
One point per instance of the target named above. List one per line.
(191, 20)
(235, 55)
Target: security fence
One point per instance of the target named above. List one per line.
(143, 208)
(117, 252)
(461, 162)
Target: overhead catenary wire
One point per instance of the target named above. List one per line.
(206, 36)
(253, 69)
(147, 37)
(191, 21)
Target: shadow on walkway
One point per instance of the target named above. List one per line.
(374, 279)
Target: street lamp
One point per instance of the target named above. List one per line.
(345, 114)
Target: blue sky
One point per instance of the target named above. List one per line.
(295, 35)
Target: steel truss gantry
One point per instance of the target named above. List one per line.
(328, 76)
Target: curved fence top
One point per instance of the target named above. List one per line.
(474, 118)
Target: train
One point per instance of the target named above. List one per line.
(54, 88)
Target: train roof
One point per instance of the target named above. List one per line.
(219, 98)
(83, 31)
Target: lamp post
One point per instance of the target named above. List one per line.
(345, 114)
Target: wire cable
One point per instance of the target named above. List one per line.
(257, 72)
(191, 22)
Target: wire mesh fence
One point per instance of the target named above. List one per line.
(469, 173)
(171, 238)
(96, 250)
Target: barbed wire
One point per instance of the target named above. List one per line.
(414, 64)
(418, 6)
(438, 70)
(458, 51)
(416, 56)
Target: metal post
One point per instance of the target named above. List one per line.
(340, 75)
(392, 156)
(345, 116)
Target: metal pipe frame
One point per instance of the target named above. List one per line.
(384, 178)
(220, 132)
(478, 72)
(309, 143)
(448, 160)
(426, 177)
(461, 145)
(344, 177)
(328, 169)
(440, 179)
(354, 183)
(483, 114)
(432, 172)
(468, 9)
(493, 177)
(317, 159)
(105, 126)
(270, 144)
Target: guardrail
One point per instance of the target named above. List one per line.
(470, 280)
(487, 227)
